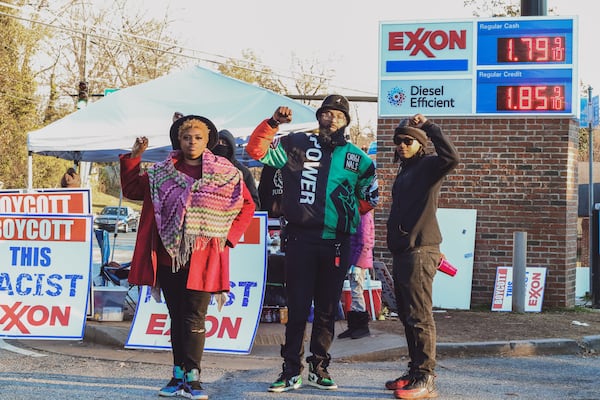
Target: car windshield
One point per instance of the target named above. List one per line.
(114, 211)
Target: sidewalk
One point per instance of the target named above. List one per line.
(106, 340)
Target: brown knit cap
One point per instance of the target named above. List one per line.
(403, 128)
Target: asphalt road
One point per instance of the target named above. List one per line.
(54, 376)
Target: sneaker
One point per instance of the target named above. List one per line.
(398, 383)
(419, 387)
(284, 383)
(319, 377)
(175, 384)
(191, 387)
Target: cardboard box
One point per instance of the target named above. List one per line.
(108, 302)
(375, 289)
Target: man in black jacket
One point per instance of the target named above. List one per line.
(413, 237)
(226, 148)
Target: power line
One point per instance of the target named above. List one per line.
(156, 41)
(180, 53)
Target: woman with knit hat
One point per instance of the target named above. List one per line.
(413, 238)
(195, 206)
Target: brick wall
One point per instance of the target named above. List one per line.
(520, 175)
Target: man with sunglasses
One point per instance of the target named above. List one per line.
(326, 181)
(413, 238)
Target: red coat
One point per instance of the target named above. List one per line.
(209, 267)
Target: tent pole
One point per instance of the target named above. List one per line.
(29, 170)
(116, 232)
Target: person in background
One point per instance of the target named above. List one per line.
(361, 262)
(70, 179)
(270, 191)
(177, 115)
(324, 179)
(226, 148)
(195, 207)
(414, 238)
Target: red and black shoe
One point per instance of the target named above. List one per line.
(398, 383)
(419, 387)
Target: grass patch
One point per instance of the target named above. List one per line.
(101, 200)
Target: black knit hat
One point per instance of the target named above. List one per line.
(335, 102)
(404, 128)
(213, 133)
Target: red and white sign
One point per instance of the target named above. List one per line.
(231, 330)
(45, 264)
(535, 280)
(46, 201)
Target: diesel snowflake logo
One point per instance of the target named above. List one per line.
(396, 96)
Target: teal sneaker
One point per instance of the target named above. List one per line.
(319, 377)
(284, 383)
(192, 389)
(175, 385)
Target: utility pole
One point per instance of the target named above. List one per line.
(83, 89)
(533, 7)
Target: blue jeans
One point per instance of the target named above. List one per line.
(413, 273)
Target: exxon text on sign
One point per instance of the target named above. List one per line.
(426, 47)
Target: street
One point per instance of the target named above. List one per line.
(55, 376)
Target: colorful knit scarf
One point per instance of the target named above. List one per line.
(189, 212)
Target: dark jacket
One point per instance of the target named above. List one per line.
(412, 221)
(323, 182)
(229, 153)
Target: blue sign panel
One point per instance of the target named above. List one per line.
(519, 42)
(424, 96)
(524, 91)
(586, 118)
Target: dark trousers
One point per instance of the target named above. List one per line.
(413, 274)
(187, 309)
(312, 275)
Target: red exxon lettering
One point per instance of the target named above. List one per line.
(427, 41)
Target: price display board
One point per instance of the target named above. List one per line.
(509, 66)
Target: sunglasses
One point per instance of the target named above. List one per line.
(406, 140)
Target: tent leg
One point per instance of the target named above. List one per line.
(29, 171)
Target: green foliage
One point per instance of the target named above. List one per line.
(17, 105)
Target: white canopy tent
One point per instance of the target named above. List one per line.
(108, 127)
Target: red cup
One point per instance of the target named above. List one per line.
(447, 268)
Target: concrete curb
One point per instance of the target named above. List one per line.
(591, 343)
(116, 337)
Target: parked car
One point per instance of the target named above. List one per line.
(126, 218)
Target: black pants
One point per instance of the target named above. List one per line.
(187, 309)
(312, 275)
(413, 273)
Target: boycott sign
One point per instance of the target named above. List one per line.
(46, 201)
(231, 330)
(535, 280)
(45, 263)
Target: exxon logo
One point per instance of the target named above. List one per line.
(427, 41)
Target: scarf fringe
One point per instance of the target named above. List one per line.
(188, 245)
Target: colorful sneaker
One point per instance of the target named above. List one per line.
(191, 387)
(285, 383)
(398, 383)
(319, 377)
(175, 385)
(420, 387)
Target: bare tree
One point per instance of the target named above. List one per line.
(108, 47)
